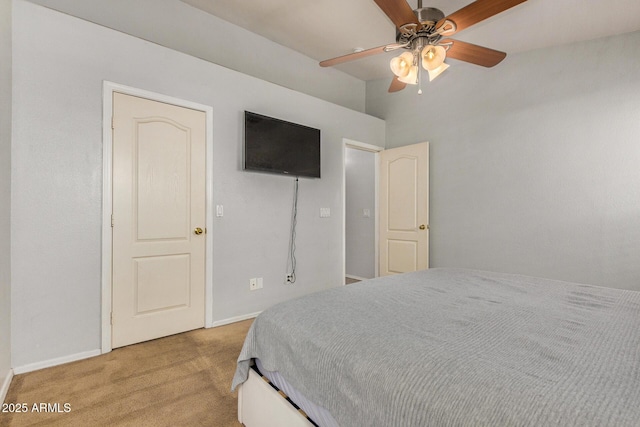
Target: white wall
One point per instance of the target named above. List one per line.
(179, 26)
(5, 193)
(535, 164)
(360, 188)
(59, 65)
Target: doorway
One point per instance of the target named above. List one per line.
(400, 210)
(360, 211)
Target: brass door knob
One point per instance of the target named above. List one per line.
(198, 231)
(422, 227)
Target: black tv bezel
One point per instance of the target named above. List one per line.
(279, 171)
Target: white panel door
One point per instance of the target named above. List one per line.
(158, 276)
(404, 209)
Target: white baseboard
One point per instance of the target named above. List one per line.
(5, 385)
(233, 319)
(87, 354)
(351, 276)
(55, 362)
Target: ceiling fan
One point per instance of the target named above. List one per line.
(422, 33)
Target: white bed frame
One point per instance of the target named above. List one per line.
(260, 405)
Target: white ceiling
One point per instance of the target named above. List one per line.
(323, 29)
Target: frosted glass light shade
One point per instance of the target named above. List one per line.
(412, 77)
(433, 57)
(401, 65)
(435, 73)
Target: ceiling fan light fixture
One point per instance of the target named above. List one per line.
(433, 57)
(435, 73)
(422, 30)
(401, 65)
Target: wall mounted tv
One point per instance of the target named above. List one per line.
(276, 146)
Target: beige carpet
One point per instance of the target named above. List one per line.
(181, 380)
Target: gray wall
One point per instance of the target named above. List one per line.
(179, 26)
(5, 190)
(59, 65)
(535, 164)
(360, 189)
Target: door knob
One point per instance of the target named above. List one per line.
(422, 227)
(198, 231)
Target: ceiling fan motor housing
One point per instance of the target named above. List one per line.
(429, 15)
(428, 18)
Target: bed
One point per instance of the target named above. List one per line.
(448, 347)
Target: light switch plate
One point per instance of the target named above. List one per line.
(325, 212)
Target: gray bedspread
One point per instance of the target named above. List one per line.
(449, 347)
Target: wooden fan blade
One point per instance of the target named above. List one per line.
(398, 11)
(352, 56)
(477, 11)
(396, 85)
(473, 53)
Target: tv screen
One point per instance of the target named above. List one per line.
(276, 146)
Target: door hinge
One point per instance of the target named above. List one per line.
(112, 123)
(111, 319)
(111, 220)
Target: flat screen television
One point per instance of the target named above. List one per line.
(277, 146)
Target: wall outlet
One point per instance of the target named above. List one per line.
(255, 284)
(289, 279)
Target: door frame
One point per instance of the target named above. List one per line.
(348, 143)
(108, 89)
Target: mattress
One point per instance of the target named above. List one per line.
(458, 347)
